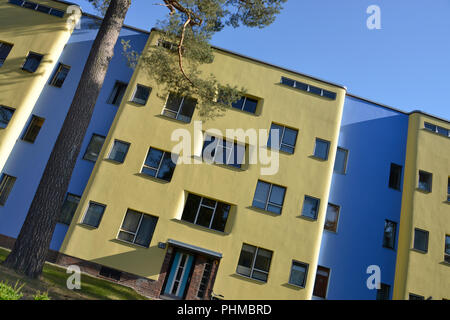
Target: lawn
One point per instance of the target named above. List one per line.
(53, 281)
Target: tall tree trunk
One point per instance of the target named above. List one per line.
(31, 247)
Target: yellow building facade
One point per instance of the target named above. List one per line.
(422, 269)
(289, 236)
(37, 30)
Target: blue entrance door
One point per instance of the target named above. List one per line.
(179, 274)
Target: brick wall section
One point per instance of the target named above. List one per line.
(196, 278)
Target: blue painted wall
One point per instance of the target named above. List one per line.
(375, 137)
(27, 161)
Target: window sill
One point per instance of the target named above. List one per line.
(330, 231)
(419, 251)
(201, 228)
(423, 191)
(307, 218)
(154, 179)
(249, 278)
(265, 211)
(445, 263)
(295, 286)
(87, 226)
(136, 103)
(92, 161)
(113, 161)
(389, 248)
(221, 165)
(245, 112)
(280, 151)
(318, 158)
(173, 119)
(131, 244)
(434, 132)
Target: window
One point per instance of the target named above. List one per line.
(246, 104)
(299, 271)
(110, 273)
(269, 197)
(32, 62)
(68, 209)
(340, 165)
(119, 151)
(321, 149)
(159, 164)
(413, 296)
(33, 129)
(94, 148)
(117, 94)
(5, 49)
(390, 229)
(205, 212)
(395, 176)
(179, 108)
(437, 129)
(223, 152)
(421, 240)
(447, 249)
(6, 185)
(254, 262)
(94, 214)
(141, 94)
(286, 138)
(384, 292)
(308, 88)
(137, 228)
(425, 181)
(321, 284)
(310, 207)
(205, 280)
(5, 116)
(38, 7)
(60, 75)
(332, 218)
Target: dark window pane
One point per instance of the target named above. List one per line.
(119, 151)
(425, 181)
(60, 76)
(262, 261)
(16, 2)
(332, 218)
(43, 9)
(250, 105)
(289, 137)
(5, 116)
(310, 207)
(126, 236)
(261, 195)
(287, 81)
(315, 90)
(33, 129)
(430, 127)
(261, 276)
(6, 185)
(29, 5)
(415, 297)
(275, 129)
(146, 230)
(187, 110)
(94, 214)
(447, 249)
(57, 13)
(5, 49)
(383, 292)
(321, 283)
(68, 209)
(421, 240)
(298, 274)
(191, 207)
(321, 150)
(238, 104)
(340, 165)
(131, 221)
(94, 148)
(141, 94)
(220, 217)
(167, 167)
(329, 94)
(117, 94)
(301, 86)
(174, 102)
(32, 62)
(389, 234)
(246, 260)
(204, 216)
(277, 195)
(395, 176)
(442, 131)
(154, 158)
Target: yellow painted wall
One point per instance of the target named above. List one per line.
(27, 30)
(119, 186)
(418, 273)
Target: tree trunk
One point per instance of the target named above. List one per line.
(31, 247)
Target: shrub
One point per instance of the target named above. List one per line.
(41, 296)
(8, 292)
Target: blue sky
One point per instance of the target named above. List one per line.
(405, 64)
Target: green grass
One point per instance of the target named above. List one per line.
(53, 281)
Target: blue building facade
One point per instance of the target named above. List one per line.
(27, 160)
(373, 137)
